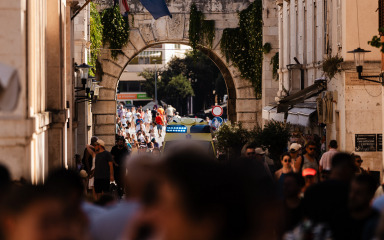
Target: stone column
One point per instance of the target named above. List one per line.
(56, 84)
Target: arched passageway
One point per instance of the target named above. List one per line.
(146, 32)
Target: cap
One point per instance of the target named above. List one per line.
(259, 151)
(294, 147)
(309, 172)
(83, 173)
(100, 142)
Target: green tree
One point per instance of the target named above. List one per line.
(178, 90)
(199, 70)
(274, 136)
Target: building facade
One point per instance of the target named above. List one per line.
(36, 70)
(313, 34)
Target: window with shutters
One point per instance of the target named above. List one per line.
(381, 15)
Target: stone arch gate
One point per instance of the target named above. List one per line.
(146, 32)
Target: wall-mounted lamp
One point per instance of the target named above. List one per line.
(89, 83)
(359, 55)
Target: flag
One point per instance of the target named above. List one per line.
(124, 8)
(158, 8)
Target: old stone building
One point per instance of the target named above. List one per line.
(312, 34)
(36, 46)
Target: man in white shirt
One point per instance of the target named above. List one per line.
(129, 115)
(326, 160)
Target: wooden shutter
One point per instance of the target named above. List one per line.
(381, 15)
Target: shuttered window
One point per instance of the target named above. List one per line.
(381, 15)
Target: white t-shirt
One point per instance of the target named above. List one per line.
(123, 121)
(146, 117)
(129, 116)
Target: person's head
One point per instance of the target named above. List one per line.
(177, 113)
(361, 192)
(188, 196)
(140, 173)
(120, 142)
(31, 213)
(99, 146)
(285, 160)
(311, 148)
(294, 149)
(121, 107)
(293, 183)
(249, 151)
(310, 176)
(343, 167)
(157, 114)
(333, 144)
(358, 160)
(94, 140)
(260, 153)
(66, 184)
(202, 199)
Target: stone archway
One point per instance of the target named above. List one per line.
(146, 32)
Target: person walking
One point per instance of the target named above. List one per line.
(309, 159)
(294, 151)
(103, 169)
(119, 153)
(160, 123)
(326, 160)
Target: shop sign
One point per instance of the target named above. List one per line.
(142, 96)
(131, 96)
(365, 142)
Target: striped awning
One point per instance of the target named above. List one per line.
(150, 54)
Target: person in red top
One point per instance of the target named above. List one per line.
(160, 123)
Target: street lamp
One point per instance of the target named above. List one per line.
(155, 81)
(359, 55)
(84, 70)
(89, 83)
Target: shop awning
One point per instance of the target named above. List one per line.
(270, 113)
(150, 54)
(265, 113)
(289, 101)
(300, 115)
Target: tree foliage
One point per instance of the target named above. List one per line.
(201, 31)
(179, 87)
(244, 45)
(274, 136)
(116, 30)
(96, 37)
(199, 70)
(231, 138)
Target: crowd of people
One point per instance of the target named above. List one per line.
(185, 194)
(142, 129)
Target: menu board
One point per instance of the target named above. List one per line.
(379, 142)
(365, 142)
